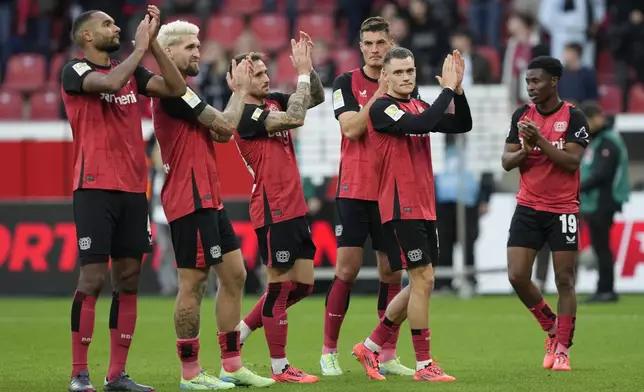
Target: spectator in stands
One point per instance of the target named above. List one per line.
(523, 44)
(578, 82)
(484, 19)
(604, 189)
(530, 7)
(246, 43)
(6, 21)
(477, 67)
(429, 40)
(388, 10)
(572, 21)
(212, 78)
(626, 33)
(444, 10)
(324, 64)
(355, 11)
(399, 31)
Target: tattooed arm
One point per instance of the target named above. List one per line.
(295, 112)
(317, 91)
(223, 123)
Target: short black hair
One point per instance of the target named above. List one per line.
(242, 56)
(78, 25)
(399, 53)
(374, 24)
(550, 65)
(591, 109)
(575, 47)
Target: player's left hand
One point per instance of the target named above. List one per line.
(240, 79)
(155, 16)
(530, 131)
(304, 37)
(460, 70)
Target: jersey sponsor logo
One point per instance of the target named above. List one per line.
(191, 98)
(282, 256)
(215, 252)
(394, 112)
(81, 68)
(415, 255)
(582, 133)
(560, 126)
(559, 143)
(281, 134)
(338, 100)
(124, 99)
(84, 243)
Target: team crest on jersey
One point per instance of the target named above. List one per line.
(273, 108)
(560, 126)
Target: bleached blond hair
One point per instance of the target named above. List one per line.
(172, 33)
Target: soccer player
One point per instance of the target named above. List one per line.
(399, 126)
(546, 142)
(110, 180)
(277, 206)
(202, 234)
(357, 215)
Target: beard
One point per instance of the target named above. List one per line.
(191, 70)
(109, 46)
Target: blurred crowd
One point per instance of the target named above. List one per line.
(600, 42)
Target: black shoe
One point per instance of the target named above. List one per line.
(81, 383)
(598, 298)
(125, 384)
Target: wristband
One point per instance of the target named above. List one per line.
(304, 79)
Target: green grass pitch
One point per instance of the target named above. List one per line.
(488, 344)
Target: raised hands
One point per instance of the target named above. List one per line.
(155, 21)
(460, 69)
(142, 36)
(240, 78)
(450, 74)
(301, 56)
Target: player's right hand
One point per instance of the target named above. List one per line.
(301, 57)
(240, 79)
(449, 77)
(142, 36)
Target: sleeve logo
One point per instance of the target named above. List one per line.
(81, 68)
(191, 98)
(394, 112)
(582, 133)
(338, 99)
(256, 114)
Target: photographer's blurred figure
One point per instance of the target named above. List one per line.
(604, 189)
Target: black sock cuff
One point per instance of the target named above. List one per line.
(387, 322)
(416, 331)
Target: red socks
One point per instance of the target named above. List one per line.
(274, 318)
(229, 346)
(83, 312)
(565, 329)
(386, 293)
(188, 350)
(122, 323)
(545, 316)
(298, 292)
(383, 332)
(421, 341)
(336, 306)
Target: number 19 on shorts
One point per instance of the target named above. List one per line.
(568, 223)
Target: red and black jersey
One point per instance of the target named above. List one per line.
(543, 185)
(357, 178)
(188, 153)
(399, 131)
(109, 151)
(270, 157)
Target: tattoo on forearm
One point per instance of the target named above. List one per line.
(226, 122)
(187, 318)
(299, 102)
(234, 110)
(317, 90)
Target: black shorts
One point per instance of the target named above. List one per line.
(411, 243)
(111, 223)
(281, 244)
(355, 220)
(200, 239)
(532, 229)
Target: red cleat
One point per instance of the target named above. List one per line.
(296, 376)
(432, 373)
(562, 363)
(549, 359)
(368, 360)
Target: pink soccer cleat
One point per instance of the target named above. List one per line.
(368, 360)
(432, 373)
(562, 363)
(549, 358)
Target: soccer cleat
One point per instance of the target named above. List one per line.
(330, 364)
(432, 373)
(368, 360)
(81, 383)
(562, 363)
(549, 359)
(204, 382)
(244, 377)
(294, 375)
(395, 368)
(125, 384)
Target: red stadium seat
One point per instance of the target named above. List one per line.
(610, 98)
(241, 7)
(25, 72)
(284, 72)
(224, 29)
(271, 31)
(55, 67)
(195, 20)
(319, 27)
(346, 59)
(150, 63)
(492, 55)
(636, 99)
(11, 105)
(324, 7)
(45, 106)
